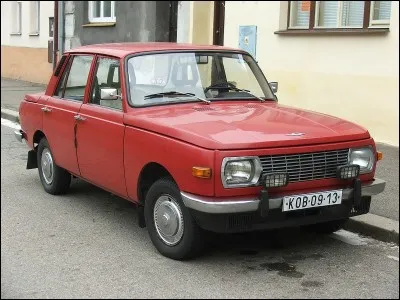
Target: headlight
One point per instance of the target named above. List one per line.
(240, 171)
(364, 157)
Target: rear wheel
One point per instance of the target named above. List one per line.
(171, 227)
(55, 180)
(326, 227)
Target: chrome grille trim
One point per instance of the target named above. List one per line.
(306, 166)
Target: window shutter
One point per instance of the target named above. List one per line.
(352, 13)
(328, 13)
(300, 12)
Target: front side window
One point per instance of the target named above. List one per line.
(72, 85)
(181, 77)
(101, 11)
(106, 78)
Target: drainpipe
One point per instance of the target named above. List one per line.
(55, 35)
(61, 24)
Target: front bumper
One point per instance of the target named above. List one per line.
(215, 206)
(262, 212)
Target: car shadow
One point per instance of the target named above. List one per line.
(247, 245)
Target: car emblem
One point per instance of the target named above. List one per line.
(295, 134)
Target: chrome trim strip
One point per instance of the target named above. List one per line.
(213, 205)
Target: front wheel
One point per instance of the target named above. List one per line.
(55, 180)
(326, 227)
(171, 227)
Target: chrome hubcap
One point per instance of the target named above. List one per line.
(47, 166)
(168, 220)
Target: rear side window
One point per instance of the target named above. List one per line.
(73, 83)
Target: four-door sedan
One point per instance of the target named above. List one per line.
(194, 135)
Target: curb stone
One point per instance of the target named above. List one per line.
(9, 114)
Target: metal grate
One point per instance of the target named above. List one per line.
(306, 166)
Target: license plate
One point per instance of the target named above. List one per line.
(311, 200)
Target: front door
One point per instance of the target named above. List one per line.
(59, 112)
(100, 131)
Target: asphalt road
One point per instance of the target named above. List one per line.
(87, 245)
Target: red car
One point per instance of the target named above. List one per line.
(194, 135)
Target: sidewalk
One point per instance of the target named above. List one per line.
(13, 91)
(385, 205)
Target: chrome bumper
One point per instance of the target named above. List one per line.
(19, 135)
(215, 206)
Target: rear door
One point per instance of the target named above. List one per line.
(100, 130)
(59, 113)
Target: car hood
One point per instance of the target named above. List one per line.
(243, 125)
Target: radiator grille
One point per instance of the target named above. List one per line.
(306, 166)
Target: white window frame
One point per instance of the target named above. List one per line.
(101, 19)
(16, 22)
(339, 17)
(291, 16)
(35, 31)
(377, 23)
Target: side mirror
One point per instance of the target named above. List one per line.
(109, 94)
(274, 86)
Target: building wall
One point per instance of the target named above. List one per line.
(136, 21)
(25, 56)
(355, 77)
(195, 22)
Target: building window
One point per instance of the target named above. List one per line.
(338, 14)
(300, 14)
(16, 12)
(380, 12)
(34, 17)
(101, 11)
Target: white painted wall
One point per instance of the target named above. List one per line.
(355, 77)
(24, 40)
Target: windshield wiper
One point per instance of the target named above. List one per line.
(172, 93)
(232, 87)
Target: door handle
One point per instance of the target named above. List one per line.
(46, 109)
(79, 118)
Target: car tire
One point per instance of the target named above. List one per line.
(326, 227)
(171, 227)
(55, 180)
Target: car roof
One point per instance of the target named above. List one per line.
(123, 49)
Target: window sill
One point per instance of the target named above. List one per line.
(15, 33)
(34, 34)
(338, 31)
(99, 24)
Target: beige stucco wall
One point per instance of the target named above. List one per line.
(355, 77)
(195, 22)
(25, 56)
(203, 17)
(23, 63)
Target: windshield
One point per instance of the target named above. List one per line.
(192, 76)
